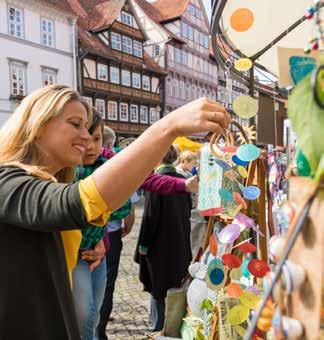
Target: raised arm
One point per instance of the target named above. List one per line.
(123, 174)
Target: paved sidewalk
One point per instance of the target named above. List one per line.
(130, 311)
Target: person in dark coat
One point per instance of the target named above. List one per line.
(164, 250)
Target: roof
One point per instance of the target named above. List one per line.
(101, 14)
(104, 14)
(61, 5)
(157, 17)
(170, 9)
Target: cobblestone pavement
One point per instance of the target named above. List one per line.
(130, 311)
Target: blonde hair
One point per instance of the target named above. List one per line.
(18, 144)
(188, 156)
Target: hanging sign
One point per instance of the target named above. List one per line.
(245, 107)
(243, 64)
(248, 152)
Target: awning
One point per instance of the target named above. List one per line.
(185, 143)
(256, 28)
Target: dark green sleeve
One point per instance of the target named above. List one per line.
(31, 203)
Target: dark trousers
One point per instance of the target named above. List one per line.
(112, 260)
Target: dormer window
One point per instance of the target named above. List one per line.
(116, 41)
(127, 19)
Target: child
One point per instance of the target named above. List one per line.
(89, 276)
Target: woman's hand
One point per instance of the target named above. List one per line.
(201, 115)
(94, 256)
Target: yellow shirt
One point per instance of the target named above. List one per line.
(96, 212)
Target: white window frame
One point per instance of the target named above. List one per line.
(136, 80)
(182, 89)
(177, 55)
(192, 10)
(100, 107)
(47, 74)
(156, 50)
(49, 36)
(116, 41)
(88, 100)
(126, 78)
(153, 115)
(14, 24)
(113, 72)
(122, 106)
(19, 69)
(138, 48)
(169, 87)
(191, 34)
(134, 113)
(127, 18)
(144, 114)
(102, 72)
(112, 115)
(184, 57)
(146, 83)
(127, 45)
(184, 30)
(175, 88)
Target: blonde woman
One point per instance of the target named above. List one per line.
(40, 145)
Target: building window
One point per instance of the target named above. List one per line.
(112, 110)
(198, 13)
(198, 92)
(191, 9)
(190, 33)
(175, 88)
(127, 19)
(184, 58)
(188, 92)
(18, 78)
(16, 22)
(123, 112)
(102, 71)
(136, 80)
(146, 83)
(114, 75)
(203, 40)
(138, 49)
(49, 76)
(144, 114)
(134, 113)
(156, 50)
(194, 93)
(184, 30)
(169, 87)
(182, 89)
(88, 100)
(47, 28)
(177, 55)
(126, 79)
(100, 106)
(127, 45)
(153, 115)
(116, 41)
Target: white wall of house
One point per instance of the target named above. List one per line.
(155, 33)
(31, 53)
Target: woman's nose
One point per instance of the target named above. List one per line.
(85, 134)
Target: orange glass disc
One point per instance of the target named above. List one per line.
(242, 19)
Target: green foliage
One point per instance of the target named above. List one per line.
(308, 122)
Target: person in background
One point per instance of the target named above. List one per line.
(108, 142)
(163, 251)
(187, 160)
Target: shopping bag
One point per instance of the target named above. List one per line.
(175, 311)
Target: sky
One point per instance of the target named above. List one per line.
(207, 6)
